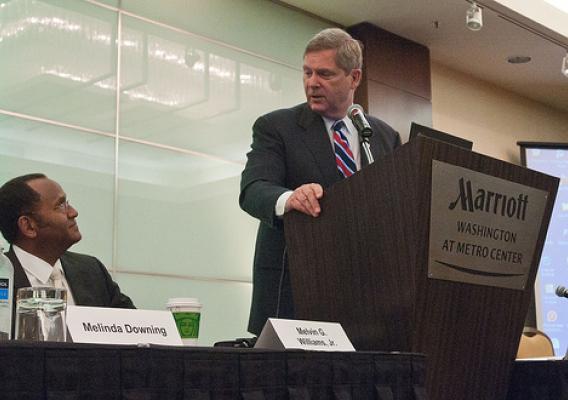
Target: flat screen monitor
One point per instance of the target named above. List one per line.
(549, 312)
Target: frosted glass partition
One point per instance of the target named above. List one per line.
(58, 58)
(225, 304)
(178, 215)
(256, 26)
(154, 171)
(81, 162)
(186, 92)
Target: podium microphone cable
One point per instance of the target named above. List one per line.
(281, 283)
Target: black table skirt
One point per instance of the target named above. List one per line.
(539, 380)
(72, 371)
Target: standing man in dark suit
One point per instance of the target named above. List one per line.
(39, 223)
(298, 152)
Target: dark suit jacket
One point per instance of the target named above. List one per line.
(290, 147)
(89, 280)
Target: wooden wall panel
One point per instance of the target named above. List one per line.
(394, 60)
(396, 78)
(398, 108)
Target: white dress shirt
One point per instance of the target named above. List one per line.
(353, 139)
(39, 271)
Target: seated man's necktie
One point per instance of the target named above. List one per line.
(57, 278)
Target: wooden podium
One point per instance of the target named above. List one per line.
(364, 262)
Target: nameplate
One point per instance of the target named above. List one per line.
(279, 334)
(121, 326)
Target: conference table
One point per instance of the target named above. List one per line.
(78, 371)
(53, 371)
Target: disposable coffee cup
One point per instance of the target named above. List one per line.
(187, 314)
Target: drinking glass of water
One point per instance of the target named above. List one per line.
(40, 314)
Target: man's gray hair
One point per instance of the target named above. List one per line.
(349, 51)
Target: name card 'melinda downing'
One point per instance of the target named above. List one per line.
(121, 326)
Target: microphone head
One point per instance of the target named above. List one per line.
(560, 291)
(353, 110)
(357, 116)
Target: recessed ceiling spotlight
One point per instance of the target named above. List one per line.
(519, 59)
(474, 17)
(565, 65)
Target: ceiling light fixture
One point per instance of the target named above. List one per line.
(474, 17)
(475, 11)
(519, 59)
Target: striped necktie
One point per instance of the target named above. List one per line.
(57, 280)
(343, 154)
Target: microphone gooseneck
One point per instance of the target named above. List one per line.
(357, 116)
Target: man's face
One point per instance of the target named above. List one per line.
(54, 216)
(329, 89)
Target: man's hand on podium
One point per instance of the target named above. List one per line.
(306, 199)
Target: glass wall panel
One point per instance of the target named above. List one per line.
(258, 26)
(189, 93)
(59, 61)
(111, 3)
(195, 74)
(178, 214)
(82, 163)
(225, 304)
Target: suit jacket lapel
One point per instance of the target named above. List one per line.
(77, 283)
(316, 140)
(20, 278)
(375, 142)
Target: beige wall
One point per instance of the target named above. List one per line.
(493, 118)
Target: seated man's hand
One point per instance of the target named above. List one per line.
(306, 199)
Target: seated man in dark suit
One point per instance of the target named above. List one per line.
(39, 223)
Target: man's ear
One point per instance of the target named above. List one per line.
(357, 75)
(27, 226)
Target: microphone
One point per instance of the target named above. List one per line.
(561, 291)
(357, 116)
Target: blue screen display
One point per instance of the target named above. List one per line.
(551, 310)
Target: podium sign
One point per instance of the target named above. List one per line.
(483, 229)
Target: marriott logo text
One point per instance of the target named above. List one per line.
(491, 202)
